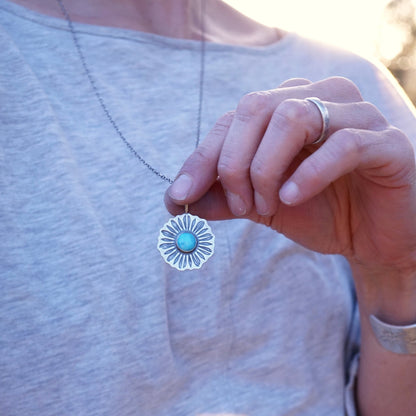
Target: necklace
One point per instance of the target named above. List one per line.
(186, 241)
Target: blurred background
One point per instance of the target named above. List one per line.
(377, 29)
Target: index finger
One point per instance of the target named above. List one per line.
(199, 172)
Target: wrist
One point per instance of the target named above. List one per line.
(389, 293)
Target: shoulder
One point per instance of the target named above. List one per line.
(376, 83)
(224, 24)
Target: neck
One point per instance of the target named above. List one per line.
(171, 18)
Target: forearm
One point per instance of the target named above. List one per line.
(386, 381)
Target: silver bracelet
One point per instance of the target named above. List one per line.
(398, 339)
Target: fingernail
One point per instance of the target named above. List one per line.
(236, 204)
(179, 190)
(289, 193)
(261, 205)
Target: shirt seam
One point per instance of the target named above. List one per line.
(140, 37)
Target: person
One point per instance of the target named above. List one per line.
(314, 239)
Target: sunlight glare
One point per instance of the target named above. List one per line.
(350, 24)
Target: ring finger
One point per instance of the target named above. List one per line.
(294, 125)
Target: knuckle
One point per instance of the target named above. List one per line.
(261, 178)
(375, 119)
(253, 104)
(343, 143)
(295, 82)
(226, 118)
(258, 172)
(314, 169)
(231, 170)
(347, 141)
(222, 125)
(288, 114)
(401, 151)
(401, 140)
(398, 135)
(202, 156)
(345, 87)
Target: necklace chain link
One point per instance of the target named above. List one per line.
(104, 106)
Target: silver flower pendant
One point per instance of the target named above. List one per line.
(186, 242)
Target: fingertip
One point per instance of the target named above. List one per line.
(289, 193)
(262, 205)
(236, 204)
(181, 188)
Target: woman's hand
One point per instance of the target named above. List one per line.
(354, 194)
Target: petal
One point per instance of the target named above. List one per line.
(186, 221)
(199, 226)
(204, 250)
(180, 223)
(179, 257)
(196, 259)
(176, 226)
(205, 237)
(170, 251)
(172, 256)
(168, 234)
(192, 224)
(172, 230)
(166, 246)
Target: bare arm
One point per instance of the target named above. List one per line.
(386, 380)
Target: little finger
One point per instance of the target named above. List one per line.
(345, 151)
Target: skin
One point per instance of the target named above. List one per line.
(173, 18)
(354, 195)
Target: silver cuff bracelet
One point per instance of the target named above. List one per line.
(398, 339)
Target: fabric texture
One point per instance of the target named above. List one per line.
(92, 321)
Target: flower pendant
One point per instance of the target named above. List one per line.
(186, 242)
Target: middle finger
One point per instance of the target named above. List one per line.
(249, 124)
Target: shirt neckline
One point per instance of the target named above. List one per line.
(138, 36)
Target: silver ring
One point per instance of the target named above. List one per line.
(325, 118)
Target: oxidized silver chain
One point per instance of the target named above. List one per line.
(104, 106)
(185, 242)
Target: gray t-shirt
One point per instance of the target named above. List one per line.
(92, 321)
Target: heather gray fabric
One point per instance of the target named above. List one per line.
(92, 321)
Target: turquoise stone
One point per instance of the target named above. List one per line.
(186, 242)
